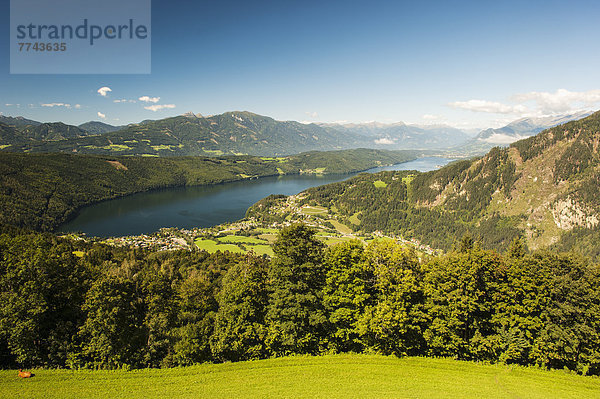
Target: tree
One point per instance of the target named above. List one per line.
(295, 315)
(196, 313)
(570, 337)
(461, 291)
(348, 290)
(392, 325)
(113, 334)
(41, 292)
(524, 295)
(240, 321)
(161, 314)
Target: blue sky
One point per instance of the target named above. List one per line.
(465, 63)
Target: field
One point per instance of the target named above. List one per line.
(235, 243)
(314, 210)
(332, 376)
(213, 246)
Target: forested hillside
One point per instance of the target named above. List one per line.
(545, 189)
(42, 190)
(77, 304)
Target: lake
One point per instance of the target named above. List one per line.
(205, 206)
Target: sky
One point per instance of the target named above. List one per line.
(469, 64)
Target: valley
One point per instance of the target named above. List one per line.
(41, 191)
(389, 199)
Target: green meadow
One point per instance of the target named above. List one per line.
(332, 376)
(235, 243)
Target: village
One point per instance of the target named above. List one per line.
(258, 234)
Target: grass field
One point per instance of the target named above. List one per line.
(354, 219)
(212, 246)
(335, 240)
(380, 184)
(242, 239)
(342, 228)
(333, 376)
(261, 249)
(314, 210)
(228, 243)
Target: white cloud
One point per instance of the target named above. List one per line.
(77, 106)
(101, 115)
(123, 100)
(560, 101)
(489, 107)
(103, 91)
(147, 99)
(52, 105)
(312, 114)
(384, 141)
(498, 138)
(536, 103)
(158, 107)
(430, 117)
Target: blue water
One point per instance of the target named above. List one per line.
(187, 207)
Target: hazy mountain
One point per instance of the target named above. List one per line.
(400, 135)
(517, 130)
(97, 127)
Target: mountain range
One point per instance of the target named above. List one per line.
(400, 135)
(189, 134)
(248, 133)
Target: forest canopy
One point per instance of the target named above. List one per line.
(75, 304)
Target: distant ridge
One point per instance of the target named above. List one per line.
(243, 132)
(400, 135)
(17, 121)
(98, 127)
(234, 133)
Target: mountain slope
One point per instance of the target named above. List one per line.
(9, 135)
(549, 181)
(53, 132)
(545, 188)
(24, 136)
(97, 127)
